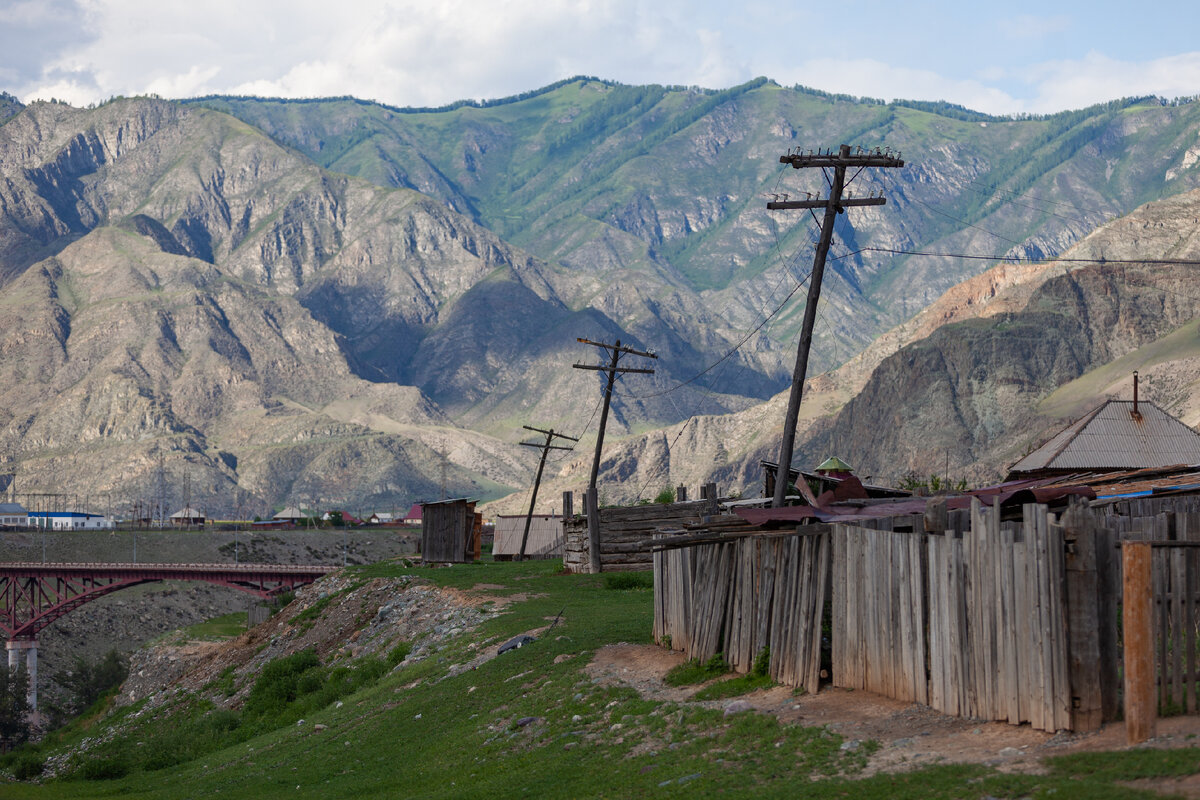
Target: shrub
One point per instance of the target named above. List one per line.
(665, 496)
(28, 766)
(628, 580)
(279, 683)
(399, 653)
(105, 769)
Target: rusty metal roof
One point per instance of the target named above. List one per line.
(1113, 437)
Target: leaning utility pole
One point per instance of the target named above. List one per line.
(537, 482)
(612, 369)
(835, 204)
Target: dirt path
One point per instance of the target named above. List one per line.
(909, 734)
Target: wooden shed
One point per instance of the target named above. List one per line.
(545, 536)
(451, 531)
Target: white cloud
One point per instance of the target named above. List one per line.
(417, 52)
(1097, 78)
(861, 77)
(408, 52)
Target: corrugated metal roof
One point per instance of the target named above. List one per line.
(1112, 437)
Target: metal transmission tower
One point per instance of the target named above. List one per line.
(537, 482)
(612, 369)
(835, 204)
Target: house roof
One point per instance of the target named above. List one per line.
(414, 512)
(1113, 437)
(834, 464)
(65, 514)
(291, 512)
(187, 512)
(12, 508)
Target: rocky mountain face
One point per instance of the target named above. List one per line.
(336, 302)
(159, 260)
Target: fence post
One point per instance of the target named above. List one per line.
(1138, 618)
(593, 520)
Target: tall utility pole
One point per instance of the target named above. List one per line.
(835, 204)
(546, 448)
(612, 369)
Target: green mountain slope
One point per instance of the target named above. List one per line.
(666, 187)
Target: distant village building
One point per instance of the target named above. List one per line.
(1120, 435)
(69, 521)
(381, 518)
(187, 516)
(291, 514)
(13, 515)
(413, 517)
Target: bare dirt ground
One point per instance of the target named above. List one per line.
(909, 735)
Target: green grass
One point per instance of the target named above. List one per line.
(218, 628)
(694, 671)
(416, 732)
(757, 678)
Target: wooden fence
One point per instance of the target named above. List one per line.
(626, 533)
(738, 597)
(1001, 619)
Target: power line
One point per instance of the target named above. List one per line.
(1024, 260)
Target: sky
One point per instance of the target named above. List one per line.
(1006, 58)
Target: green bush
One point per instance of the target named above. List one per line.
(28, 766)
(628, 580)
(399, 653)
(105, 769)
(665, 496)
(279, 684)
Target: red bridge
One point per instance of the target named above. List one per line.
(34, 595)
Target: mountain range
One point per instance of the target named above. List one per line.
(336, 302)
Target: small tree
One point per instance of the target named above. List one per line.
(88, 681)
(14, 706)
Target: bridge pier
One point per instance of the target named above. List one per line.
(14, 647)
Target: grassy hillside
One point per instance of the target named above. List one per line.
(529, 722)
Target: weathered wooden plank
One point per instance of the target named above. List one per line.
(1022, 592)
(1062, 676)
(933, 546)
(1177, 575)
(824, 564)
(840, 615)
(1188, 529)
(1040, 689)
(957, 609)
(1079, 533)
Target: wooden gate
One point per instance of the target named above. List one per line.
(1176, 577)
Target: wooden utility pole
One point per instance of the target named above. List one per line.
(612, 370)
(835, 204)
(546, 448)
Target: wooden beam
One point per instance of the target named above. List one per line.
(1138, 617)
